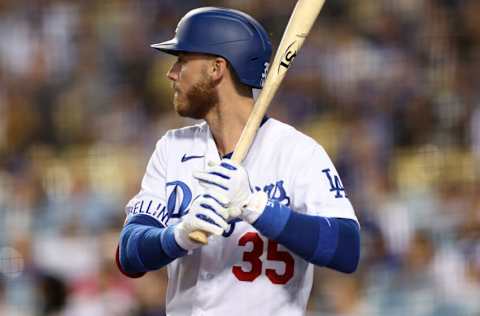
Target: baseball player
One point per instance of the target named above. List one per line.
(269, 220)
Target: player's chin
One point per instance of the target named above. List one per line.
(190, 112)
(183, 109)
(179, 104)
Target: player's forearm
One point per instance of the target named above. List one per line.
(330, 242)
(145, 246)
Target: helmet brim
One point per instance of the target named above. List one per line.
(173, 47)
(170, 47)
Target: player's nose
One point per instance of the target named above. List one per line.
(172, 73)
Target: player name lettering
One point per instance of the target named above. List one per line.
(150, 207)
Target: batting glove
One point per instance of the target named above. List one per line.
(207, 214)
(230, 180)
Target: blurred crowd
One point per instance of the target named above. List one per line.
(387, 87)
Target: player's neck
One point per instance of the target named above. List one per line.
(227, 119)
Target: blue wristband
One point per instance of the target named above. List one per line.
(273, 219)
(170, 245)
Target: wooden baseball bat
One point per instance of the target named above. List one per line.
(301, 21)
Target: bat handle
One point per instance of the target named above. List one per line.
(199, 236)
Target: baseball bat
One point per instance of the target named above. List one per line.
(301, 21)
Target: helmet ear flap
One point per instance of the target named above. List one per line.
(227, 33)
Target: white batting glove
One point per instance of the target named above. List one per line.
(207, 214)
(230, 179)
(255, 207)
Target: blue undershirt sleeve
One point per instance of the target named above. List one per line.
(323, 241)
(146, 245)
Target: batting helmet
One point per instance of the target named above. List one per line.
(227, 33)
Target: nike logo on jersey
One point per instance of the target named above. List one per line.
(187, 158)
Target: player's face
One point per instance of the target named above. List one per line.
(194, 90)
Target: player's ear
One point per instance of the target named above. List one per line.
(218, 68)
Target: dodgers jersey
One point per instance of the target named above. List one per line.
(241, 272)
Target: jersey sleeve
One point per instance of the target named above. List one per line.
(318, 189)
(152, 196)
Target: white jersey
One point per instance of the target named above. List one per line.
(242, 272)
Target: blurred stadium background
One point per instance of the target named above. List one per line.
(390, 87)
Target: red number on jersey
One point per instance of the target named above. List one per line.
(253, 257)
(274, 254)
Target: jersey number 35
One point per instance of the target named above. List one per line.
(253, 257)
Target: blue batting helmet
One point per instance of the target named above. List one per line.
(227, 33)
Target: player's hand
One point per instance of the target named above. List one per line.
(207, 214)
(230, 180)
